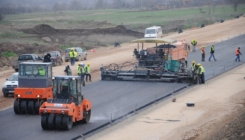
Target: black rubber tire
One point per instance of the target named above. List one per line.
(30, 107)
(58, 121)
(44, 121)
(55, 63)
(16, 70)
(23, 106)
(87, 115)
(85, 58)
(5, 94)
(51, 120)
(16, 107)
(60, 62)
(67, 122)
(37, 106)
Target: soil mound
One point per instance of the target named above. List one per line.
(40, 29)
(47, 30)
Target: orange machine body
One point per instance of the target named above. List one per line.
(72, 110)
(33, 93)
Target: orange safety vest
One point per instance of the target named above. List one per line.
(237, 51)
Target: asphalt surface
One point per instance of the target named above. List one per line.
(112, 99)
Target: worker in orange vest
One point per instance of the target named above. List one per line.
(238, 53)
(203, 53)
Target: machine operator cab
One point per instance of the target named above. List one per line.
(67, 88)
(35, 74)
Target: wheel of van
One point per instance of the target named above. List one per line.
(5, 94)
(85, 58)
(16, 70)
(60, 62)
(55, 63)
(66, 60)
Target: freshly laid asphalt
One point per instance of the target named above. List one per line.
(112, 99)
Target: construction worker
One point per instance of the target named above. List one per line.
(238, 53)
(201, 73)
(47, 57)
(87, 71)
(82, 70)
(68, 70)
(193, 65)
(78, 69)
(194, 43)
(212, 53)
(41, 71)
(73, 56)
(203, 53)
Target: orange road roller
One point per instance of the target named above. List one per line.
(67, 107)
(35, 87)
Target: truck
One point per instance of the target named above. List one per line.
(81, 54)
(25, 58)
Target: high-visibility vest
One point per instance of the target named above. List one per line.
(194, 42)
(42, 72)
(201, 70)
(193, 66)
(87, 69)
(237, 51)
(212, 49)
(73, 54)
(82, 70)
(78, 70)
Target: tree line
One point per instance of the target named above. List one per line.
(13, 8)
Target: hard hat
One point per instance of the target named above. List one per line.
(39, 67)
(72, 49)
(198, 64)
(88, 64)
(193, 61)
(82, 64)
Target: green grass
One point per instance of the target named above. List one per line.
(132, 18)
(9, 54)
(13, 34)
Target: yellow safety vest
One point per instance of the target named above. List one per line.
(42, 72)
(73, 54)
(82, 70)
(78, 70)
(201, 70)
(88, 69)
(193, 66)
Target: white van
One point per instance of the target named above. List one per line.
(153, 32)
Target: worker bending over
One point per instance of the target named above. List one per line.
(201, 74)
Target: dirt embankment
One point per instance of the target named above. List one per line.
(44, 29)
(21, 49)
